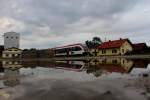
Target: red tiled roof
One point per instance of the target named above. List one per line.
(112, 44)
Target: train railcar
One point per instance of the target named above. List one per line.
(70, 50)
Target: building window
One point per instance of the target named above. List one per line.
(123, 61)
(7, 55)
(104, 61)
(19, 55)
(13, 55)
(12, 37)
(7, 62)
(114, 51)
(114, 61)
(122, 50)
(95, 52)
(103, 51)
(16, 37)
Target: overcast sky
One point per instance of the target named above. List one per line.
(50, 23)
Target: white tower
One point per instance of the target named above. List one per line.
(11, 39)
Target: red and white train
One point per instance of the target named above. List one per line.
(70, 50)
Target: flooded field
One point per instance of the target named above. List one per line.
(93, 79)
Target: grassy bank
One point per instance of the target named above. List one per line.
(82, 58)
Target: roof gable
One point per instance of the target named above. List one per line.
(13, 48)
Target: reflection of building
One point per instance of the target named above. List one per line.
(113, 64)
(13, 65)
(119, 65)
(139, 47)
(12, 53)
(11, 72)
(116, 47)
(140, 63)
(11, 77)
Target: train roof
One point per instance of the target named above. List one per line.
(71, 45)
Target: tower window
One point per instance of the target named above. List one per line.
(16, 37)
(12, 37)
(7, 37)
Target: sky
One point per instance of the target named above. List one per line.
(50, 23)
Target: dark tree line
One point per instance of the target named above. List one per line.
(96, 41)
(40, 53)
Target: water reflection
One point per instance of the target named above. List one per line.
(11, 77)
(10, 70)
(96, 67)
(118, 65)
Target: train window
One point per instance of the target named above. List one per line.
(68, 49)
(61, 51)
(73, 48)
(64, 50)
(78, 48)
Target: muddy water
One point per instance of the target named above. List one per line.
(94, 79)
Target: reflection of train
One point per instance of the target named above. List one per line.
(70, 65)
(70, 50)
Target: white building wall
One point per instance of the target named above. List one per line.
(11, 39)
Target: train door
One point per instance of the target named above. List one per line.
(68, 52)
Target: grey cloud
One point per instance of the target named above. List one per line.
(58, 13)
(67, 16)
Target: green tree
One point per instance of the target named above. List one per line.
(96, 41)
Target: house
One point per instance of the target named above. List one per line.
(115, 47)
(139, 47)
(93, 51)
(12, 53)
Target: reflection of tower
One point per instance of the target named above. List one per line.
(11, 72)
(11, 77)
(11, 39)
(1, 68)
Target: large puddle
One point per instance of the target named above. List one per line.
(93, 79)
